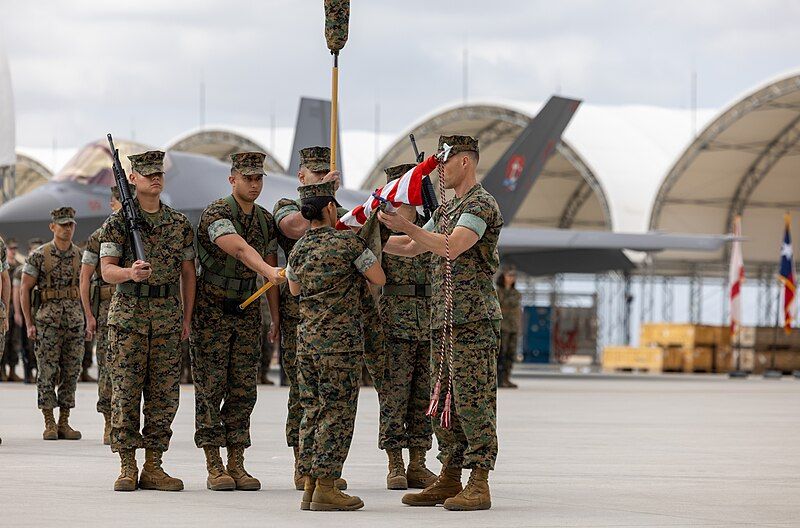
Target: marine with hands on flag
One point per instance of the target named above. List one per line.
(466, 228)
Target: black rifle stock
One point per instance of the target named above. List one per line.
(133, 219)
(429, 201)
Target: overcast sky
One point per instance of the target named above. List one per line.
(81, 68)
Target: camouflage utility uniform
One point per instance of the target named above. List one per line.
(144, 322)
(510, 304)
(5, 311)
(226, 348)
(471, 442)
(101, 293)
(328, 264)
(59, 323)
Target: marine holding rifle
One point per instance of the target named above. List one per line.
(147, 251)
(236, 241)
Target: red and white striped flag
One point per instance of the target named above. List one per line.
(736, 276)
(407, 189)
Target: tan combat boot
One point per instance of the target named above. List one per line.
(475, 496)
(298, 478)
(50, 427)
(446, 485)
(309, 484)
(328, 497)
(126, 481)
(244, 480)
(218, 479)
(396, 479)
(65, 432)
(417, 475)
(107, 429)
(153, 475)
(12, 374)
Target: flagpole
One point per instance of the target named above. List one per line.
(736, 280)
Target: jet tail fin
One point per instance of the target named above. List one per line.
(313, 128)
(511, 178)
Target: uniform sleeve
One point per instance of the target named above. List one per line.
(33, 264)
(217, 221)
(365, 258)
(291, 264)
(90, 257)
(284, 208)
(113, 237)
(188, 252)
(478, 215)
(429, 225)
(17, 279)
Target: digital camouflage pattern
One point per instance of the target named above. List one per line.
(511, 306)
(406, 322)
(459, 144)
(474, 294)
(337, 19)
(290, 319)
(144, 333)
(91, 256)
(510, 300)
(3, 310)
(226, 349)
(316, 159)
(148, 163)
(471, 441)
(328, 265)
(59, 326)
(329, 385)
(394, 172)
(248, 163)
(63, 215)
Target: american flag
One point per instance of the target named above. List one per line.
(407, 189)
(786, 276)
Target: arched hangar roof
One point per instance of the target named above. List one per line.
(745, 162)
(566, 194)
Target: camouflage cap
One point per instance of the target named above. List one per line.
(115, 191)
(397, 170)
(148, 163)
(317, 159)
(248, 163)
(63, 215)
(459, 144)
(317, 189)
(35, 242)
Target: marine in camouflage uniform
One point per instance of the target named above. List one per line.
(9, 352)
(233, 245)
(5, 302)
(57, 325)
(405, 318)
(25, 345)
(149, 315)
(314, 167)
(322, 269)
(473, 219)
(96, 298)
(511, 306)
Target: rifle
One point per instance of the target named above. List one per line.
(429, 202)
(130, 212)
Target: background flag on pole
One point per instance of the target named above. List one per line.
(736, 276)
(786, 276)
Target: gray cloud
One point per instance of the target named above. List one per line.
(81, 68)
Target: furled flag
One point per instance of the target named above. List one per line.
(786, 276)
(407, 189)
(736, 276)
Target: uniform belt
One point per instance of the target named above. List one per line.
(137, 289)
(54, 294)
(238, 288)
(106, 290)
(407, 290)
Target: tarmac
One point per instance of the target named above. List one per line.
(610, 451)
